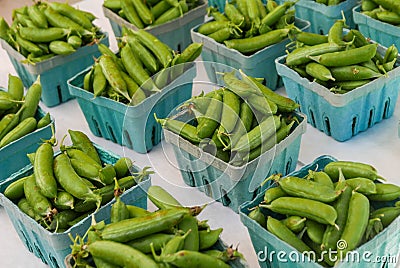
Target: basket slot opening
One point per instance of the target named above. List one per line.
(321, 31)
(179, 48)
(386, 108)
(59, 93)
(312, 118)
(327, 126)
(39, 253)
(24, 237)
(191, 177)
(288, 165)
(127, 139)
(207, 187)
(226, 201)
(53, 262)
(371, 117)
(153, 135)
(354, 126)
(256, 192)
(96, 125)
(111, 132)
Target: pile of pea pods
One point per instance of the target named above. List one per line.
(250, 25)
(384, 10)
(330, 2)
(17, 111)
(340, 62)
(143, 67)
(150, 13)
(45, 29)
(335, 210)
(171, 236)
(238, 122)
(65, 188)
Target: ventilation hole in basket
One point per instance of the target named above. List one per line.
(354, 126)
(312, 117)
(59, 93)
(386, 109)
(39, 253)
(96, 126)
(153, 136)
(207, 187)
(111, 132)
(179, 48)
(53, 261)
(327, 126)
(256, 192)
(26, 241)
(127, 138)
(224, 197)
(371, 118)
(321, 32)
(288, 165)
(191, 177)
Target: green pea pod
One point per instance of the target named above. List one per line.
(158, 240)
(99, 80)
(243, 125)
(26, 208)
(185, 130)
(319, 71)
(40, 204)
(192, 233)
(74, 14)
(44, 121)
(385, 192)
(282, 232)
(350, 170)
(273, 16)
(362, 185)
(335, 33)
(208, 238)
(39, 35)
(234, 14)
(295, 223)
(353, 72)
(4, 30)
(118, 211)
(303, 207)
(25, 127)
(258, 216)
(15, 190)
(135, 211)
(315, 231)
(61, 47)
(75, 41)
(160, 8)
(386, 214)
(311, 39)
(161, 198)
(114, 5)
(133, 228)
(273, 193)
(211, 119)
(55, 19)
(15, 87)
(172, 13)
(356, 224)
(120, 254)
(320, 177)
(302, 55)
(239, 87)
(213, 26)
(230, 111)
(64, 200)
(187, 258)
(43, 169)
(122, 166)
(82, 142)
(28, 45)
(142, 53)
(107, 174)
(105, 50)
(7, 123)
(60, 221)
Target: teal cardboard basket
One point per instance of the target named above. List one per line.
(131, 126)
(175, 33)
(55, 71)
(52, 248)
(265, 244)
(342, 116)
(260, 64)
(322, 17)
(379, 31)
(13, 156)
(232, 185)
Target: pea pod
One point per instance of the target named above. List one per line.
(61, 47)
(320, 177)
(302, 55)
(135, 211)
(187, 258)
(7, 123)
(40, 204)
(282, 232)
(172, 13)
(99, 83)
(211, 119)
(28, 45)
(258, 216)
(311, 39)
(319, 71)
(191, 240)
(82, 142)
(353, 72)
(74, 14)
(233, 14)
(64, 200)
(295, 223)
(120, 254)
(142, 53)
(386, 214)
(362, 185)
(350, 170)
(61, 219)
(23, 128)
(158, 240)
(185, 130)
(315, 231)
(311, 209)
(123, 166)
(55, 19)
(207, 238)
(75, 41)
(38, 35)
(43, 169)
(118, 211)
(385, 192)
(15, 190)
(161, 198)
(32, 98)
(239, 87)
(44, 121)
(26, 208)
(15, 87)
(273, 193)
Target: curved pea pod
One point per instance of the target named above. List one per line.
(32, 98)
(118, 211)
(61, 219)
(159, 8)
(142, 53)
(28, 45)
(61, 47)
(81, 156)
(210, 121)
(99, 81)
(43, 169)
(113, 75)
(385, 192)
(191, 239)
(159, 49)
(154, 222)
(183, 129)
(15, 87)
(74, 14)
(320, 177)
(311, 209)
(386, 214)
(295, 223)
(347, 57)
(7, 123)
(230, 111)
(262, 104)
(4, 30)
(158, 240)
(319, 71)
(243, 125)
(252, 44)
(82, 142)
(362, 185)
(120, 254)
(258, 135)
(335, 33)
(282, 232)
(187, 258)
(105, 50)
(353, 72)
(350, 170)
(44, 121)
(131, 13)
(40, 35)
(161, 198)
(258, 216)
(302, 55)
(72, 182)
(273, 193)
(75, 41)
(64, 200)
(311, 39)
(239, 87)
(107, 174)
(299, 187)
(40, 204)
(172, 13)
(26, 208)
(233, 14)
(356, 223)
(315, 231)
(213, 26)
(135, 211)
(208, 238)
(55, 19)
(190, 53)
(15, 190)
(23, 128)
(122, 166)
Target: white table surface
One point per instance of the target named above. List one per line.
(379, 145)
